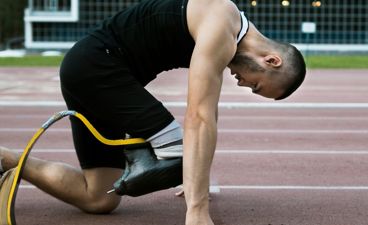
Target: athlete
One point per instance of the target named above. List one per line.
(103, 77)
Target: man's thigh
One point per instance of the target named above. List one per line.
(90, 151)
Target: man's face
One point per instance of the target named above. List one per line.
(256, 76)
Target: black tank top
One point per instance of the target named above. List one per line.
(152, 37)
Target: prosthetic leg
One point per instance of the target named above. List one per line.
(7, 207)
(144, 173)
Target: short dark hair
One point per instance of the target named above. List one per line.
(295, 67)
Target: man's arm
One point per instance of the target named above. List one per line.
(215, 46)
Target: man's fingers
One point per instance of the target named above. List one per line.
(179, 194)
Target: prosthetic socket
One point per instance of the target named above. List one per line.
(144, 173)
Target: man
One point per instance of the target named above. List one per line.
(103, 77)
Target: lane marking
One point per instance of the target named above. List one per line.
(292, 187)
(273, 131)
(32, 103)
(302, 152)
(238, 151)
(33, 130)
(228, 105)
(25, 116)
(302, 131)
(217, 189)
(362, 118)
(293, 105)
(60, 150)
(27, 186)
(212, 189)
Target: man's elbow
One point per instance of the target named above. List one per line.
(197, 118)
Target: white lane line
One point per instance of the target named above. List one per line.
(33, 129)
(212, 189)
(222, 117)
(273, 131)
(60, 150)
(293, 187)
(300, 131)
(27, 186)
(289, 118)
(241, 105)
(229, 105)
(5, 103)
(302, 152)
(217, 189)
(26, 116)
(238, 151)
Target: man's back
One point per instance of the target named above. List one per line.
(153, 34)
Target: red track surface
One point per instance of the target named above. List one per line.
(273, 165)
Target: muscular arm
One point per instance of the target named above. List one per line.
(215, 46)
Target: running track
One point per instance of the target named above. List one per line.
(301, 161)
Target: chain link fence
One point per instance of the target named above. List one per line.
(331, 22)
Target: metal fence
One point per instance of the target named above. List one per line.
(340, 24)
(49, 5)
(337, 22)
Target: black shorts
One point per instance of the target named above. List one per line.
(101, 86)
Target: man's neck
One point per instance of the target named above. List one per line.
(254, 42)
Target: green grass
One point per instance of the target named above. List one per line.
(337, 61)
(32, 61)
(313, 61)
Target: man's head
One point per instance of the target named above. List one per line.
(275, 72)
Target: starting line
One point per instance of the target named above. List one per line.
(227, 105)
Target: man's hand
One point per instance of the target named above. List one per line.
(180, 194)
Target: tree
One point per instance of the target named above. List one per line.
(11, 20)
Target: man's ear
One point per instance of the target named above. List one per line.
(274, 61)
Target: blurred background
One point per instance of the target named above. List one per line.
(321, 26)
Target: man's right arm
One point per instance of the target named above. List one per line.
(215, 46)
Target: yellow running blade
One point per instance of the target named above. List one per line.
(10, 180)
(7, 216)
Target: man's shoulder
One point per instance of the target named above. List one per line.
(220, 12)
(206, 7)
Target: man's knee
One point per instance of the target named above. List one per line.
(102, 205)
(98, 182)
